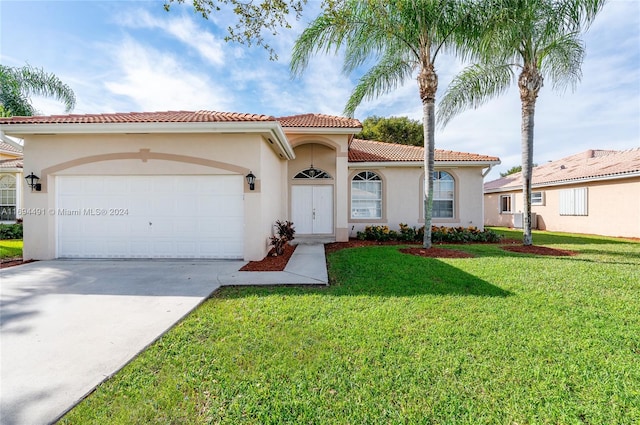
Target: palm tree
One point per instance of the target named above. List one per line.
(402, 36)
(17, 85)
(536, 39)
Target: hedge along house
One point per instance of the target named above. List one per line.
(596, 192)
(176, 184)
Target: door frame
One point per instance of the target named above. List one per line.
(332, 209)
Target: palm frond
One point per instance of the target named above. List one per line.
(562, 60)
(472, 88)
(387, 75)
(35, 81)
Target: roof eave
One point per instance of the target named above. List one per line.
(269, 129)
(365, 164)
(566, 182)
(323, 130)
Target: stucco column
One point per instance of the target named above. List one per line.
(342, 197)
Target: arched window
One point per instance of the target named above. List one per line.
(443, 194)
(7, 197)
(366, 195)
(312, 173)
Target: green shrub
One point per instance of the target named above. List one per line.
(440, 234)
(11, 231)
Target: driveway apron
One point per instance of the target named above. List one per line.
(66, 326)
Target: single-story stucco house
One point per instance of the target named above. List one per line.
(10, 178)
(596, 192)
(177, 184)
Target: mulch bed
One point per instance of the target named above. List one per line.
(13, 262)
(538, 250)
(270, 263)
(433, 252)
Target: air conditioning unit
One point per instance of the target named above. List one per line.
(518, 220)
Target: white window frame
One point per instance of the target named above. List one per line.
(364, 182)
(574, 201)
(510, 210)
(8, 197)
(537, 199)
(440, 195)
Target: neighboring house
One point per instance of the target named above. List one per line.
(174, 184)
(10, 178)
(596, 191)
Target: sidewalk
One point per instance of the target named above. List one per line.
(307, 266)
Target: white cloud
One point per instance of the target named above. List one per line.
(156, 81)
(184, 29)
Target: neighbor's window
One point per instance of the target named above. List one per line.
(7, 197)
(573, 201)
(537, 198)
(506, 204)
(366, 195)
(443, 194)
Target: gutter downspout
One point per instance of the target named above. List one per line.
(484, 174)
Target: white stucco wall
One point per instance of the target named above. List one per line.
(613, 209)
(199, 154)
(403, 197)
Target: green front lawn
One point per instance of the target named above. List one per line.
(10, 248)
(501, 338)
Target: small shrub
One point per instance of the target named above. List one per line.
(11, 231)
(441, 234)
(375, 233)
(284, 234)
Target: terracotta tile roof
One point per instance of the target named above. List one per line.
(371, 151)
(11, 163)
(9, 148)
(140, 117)
(591, 164)
(319, 120)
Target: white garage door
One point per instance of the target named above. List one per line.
(150, 216)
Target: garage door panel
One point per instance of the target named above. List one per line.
(190, 216)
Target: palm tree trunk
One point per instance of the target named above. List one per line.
(529, 82)
(428, 85)
(528, 112)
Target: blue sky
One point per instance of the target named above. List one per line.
(121, 56)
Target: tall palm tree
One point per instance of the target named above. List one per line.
(402, 36)
(17, 85)
(525, 42)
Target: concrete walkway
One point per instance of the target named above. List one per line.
(68, 325)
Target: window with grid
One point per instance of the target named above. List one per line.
(443, 194)
(7, 197)
(366, 195)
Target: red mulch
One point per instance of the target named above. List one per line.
(434, 252)
(14, 262)
(538, 250)
(270, 263)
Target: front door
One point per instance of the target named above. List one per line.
(312, 209)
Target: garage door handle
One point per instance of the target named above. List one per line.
(150, 223)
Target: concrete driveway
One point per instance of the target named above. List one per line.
(66, 326)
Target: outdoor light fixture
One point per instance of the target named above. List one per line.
(251, 179)
(32, 181)
(312, 170)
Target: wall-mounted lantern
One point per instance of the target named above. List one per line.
(32, 181)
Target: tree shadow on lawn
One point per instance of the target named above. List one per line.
(416, 276)
(373, 272)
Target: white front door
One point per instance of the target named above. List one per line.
(312, 209)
